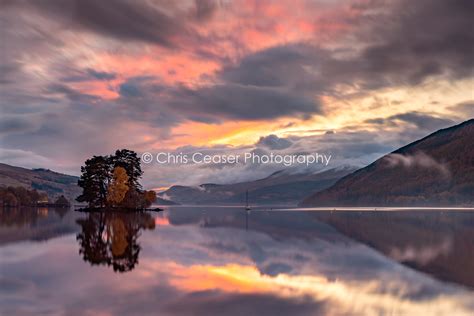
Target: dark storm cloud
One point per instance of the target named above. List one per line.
(423, 121)
(407, 42)
(130, 89)
(215, 103)
(274, 67)
(120, 19)
(234, 101)
(418, 39)
(274, 142)
(389, 59)
(302, 68)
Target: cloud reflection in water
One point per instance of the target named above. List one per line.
(205, 262)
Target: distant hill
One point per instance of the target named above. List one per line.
(161, 201)
(53, 183)
(281, 187)
(437, 170)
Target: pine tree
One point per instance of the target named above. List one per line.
(94, 181)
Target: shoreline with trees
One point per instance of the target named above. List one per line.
(13, 197)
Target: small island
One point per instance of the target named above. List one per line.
(111, 183)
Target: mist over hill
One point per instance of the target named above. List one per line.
(437, 170)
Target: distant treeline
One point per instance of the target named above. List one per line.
(20, 196)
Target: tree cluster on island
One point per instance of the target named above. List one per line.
(110, 182)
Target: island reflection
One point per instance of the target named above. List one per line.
(111, 238)
(222, 260)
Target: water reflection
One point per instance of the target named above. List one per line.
(27, 216)
(225, 261)
(111, 238)
(31, 223)
(438, 243)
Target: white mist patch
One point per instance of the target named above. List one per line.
(419, 159)
(165, 196)
(422, 255)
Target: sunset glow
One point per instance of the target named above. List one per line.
(222, 75)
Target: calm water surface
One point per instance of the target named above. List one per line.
(226, 261)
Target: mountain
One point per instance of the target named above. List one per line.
(164, 202)
(437, 170)
(53, 183)
(282, 187)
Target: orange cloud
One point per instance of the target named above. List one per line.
(234, 133)
(102, 89)
(170, 67)
(229, 278)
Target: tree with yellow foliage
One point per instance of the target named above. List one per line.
(118, 187)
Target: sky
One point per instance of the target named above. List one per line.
(353, 79)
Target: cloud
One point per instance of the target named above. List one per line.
(215, 302)
(68, 94)
(346, 148)
(423, 121)
(24, 158)
(422, 255)
(218, 102)
(10, 124)
(122, 20)
(280, 66)
(234, 101)
(274, 142)
(413, 40)
(71, 94)
(420, 160)
(204, 9)
(464, 109)
(101, 75)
